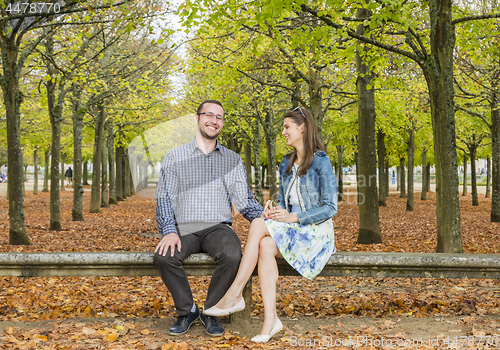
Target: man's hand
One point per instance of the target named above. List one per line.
(168, 241)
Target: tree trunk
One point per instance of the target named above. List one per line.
(438, 71)
(369, 224)
(398, 177)
(387, 177)
(55, 113)
(464, 185)
(340, 185)
(382, 190)
(410, 200)
(86, 173)
(63, 160)
(24, 188)
(134, 182)
(248, 163)
(144, 167)
(55, 106)
(428, 176)
(25, 178)
(95, 195)
(111, 163)
(55, 205)
(316, 98)
(119, 175)
(35, 164)
(126, 175)
(402, 181)
(270, 133)
(77, 114)
(259, 196)
(104, 168)
(335, 165)
(475, 200)
(263, 175)
(423, 195)
(11, 67)
(488, 177)
(495, 160)
(12, 101)
(131, 180)
(358, 176)
(46, 171)
(140, 169)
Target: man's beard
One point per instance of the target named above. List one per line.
(209, 137)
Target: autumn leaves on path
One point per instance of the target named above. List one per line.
(131, 226)
(135, 312)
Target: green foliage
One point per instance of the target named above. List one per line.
(286, 40)
(119, 62)
(477, 72)
(3, 155)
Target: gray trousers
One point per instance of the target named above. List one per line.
(222, 244)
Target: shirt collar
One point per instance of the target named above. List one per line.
(193, 146)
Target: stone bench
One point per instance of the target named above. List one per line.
(344, 264)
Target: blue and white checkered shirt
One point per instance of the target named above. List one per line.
(198, 188)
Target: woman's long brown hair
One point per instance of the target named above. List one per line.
(312, 143)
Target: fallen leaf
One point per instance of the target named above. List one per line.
(112, 336)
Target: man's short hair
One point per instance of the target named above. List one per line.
(215, 102)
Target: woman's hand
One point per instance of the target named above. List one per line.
(282, 215)
(267, 212)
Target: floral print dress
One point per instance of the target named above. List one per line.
(306, 248)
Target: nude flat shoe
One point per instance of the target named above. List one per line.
(264, 338)
(215, 311)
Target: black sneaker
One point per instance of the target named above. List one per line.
(182, 324)
(212, 325)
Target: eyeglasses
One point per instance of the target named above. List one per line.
(210, 115)
(300, 109)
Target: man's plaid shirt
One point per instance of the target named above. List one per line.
(195, 187)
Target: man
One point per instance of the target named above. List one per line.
(198, 182)
(69, 175)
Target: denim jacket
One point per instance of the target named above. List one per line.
(317, 189)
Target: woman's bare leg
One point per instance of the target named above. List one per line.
(258, 230)
(268, 277)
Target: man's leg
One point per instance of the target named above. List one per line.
(224, 246)
(173, 275)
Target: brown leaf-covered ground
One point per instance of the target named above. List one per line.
(349, 313)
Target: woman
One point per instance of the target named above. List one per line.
(298, 229)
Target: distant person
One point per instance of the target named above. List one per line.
(198, 182)
(299, 229)
(393, 177)
(69, 175)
